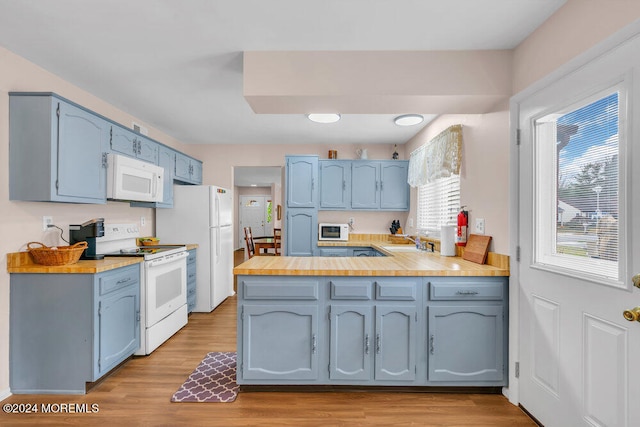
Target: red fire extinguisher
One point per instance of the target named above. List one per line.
(461, 233)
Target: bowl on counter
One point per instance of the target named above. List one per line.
(148, 241)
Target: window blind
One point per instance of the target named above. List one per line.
(438, 203)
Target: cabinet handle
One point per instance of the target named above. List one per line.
(377, 185)
(121, 281)
(366, 344)
(139, 147)
(431, 344)
(381, 182)
(313, 183)
(466, 292)
(313, 344)
(344, 184)
(377, 343)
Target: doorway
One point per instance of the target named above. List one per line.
(577, 242)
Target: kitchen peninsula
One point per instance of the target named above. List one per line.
(409, 318)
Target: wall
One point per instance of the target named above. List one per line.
(573, 29)
(218, 170)
(21, 222)
(484, 175)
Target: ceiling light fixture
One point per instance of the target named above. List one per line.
(323, 118)
(408, 120)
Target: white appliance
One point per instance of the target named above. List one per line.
(133, 179)
(163, 283)
(338, 232)
(203, 214)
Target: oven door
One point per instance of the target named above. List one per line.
(166, 286)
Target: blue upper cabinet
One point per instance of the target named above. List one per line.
(188, 169)
(302, 181)
(380, 185)
(365, 185)
(394, 189)
(335, 184)
(55, 151)
(125, 141)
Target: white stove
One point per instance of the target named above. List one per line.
(163, 283)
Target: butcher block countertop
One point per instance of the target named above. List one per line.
(394, 264)
(21, 262)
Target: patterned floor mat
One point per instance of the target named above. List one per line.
(214, 380)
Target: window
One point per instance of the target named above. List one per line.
(434, 169)
(438, 203)
(577, 167)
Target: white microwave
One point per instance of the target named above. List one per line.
(133, 180)
(338, 232)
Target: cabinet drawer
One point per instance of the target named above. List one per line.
(466, 291)
(396, 290)
(294, 289)
(351, 289)
(119, 279)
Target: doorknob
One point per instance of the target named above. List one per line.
(632, 315)
(636, 280)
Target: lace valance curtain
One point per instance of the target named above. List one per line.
(441, 157)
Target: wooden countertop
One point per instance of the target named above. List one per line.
(394, 264)
(21, 262)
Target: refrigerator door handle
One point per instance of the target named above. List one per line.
(218, 244)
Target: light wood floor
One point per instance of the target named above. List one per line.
(139, 393)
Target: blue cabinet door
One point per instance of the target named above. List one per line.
(302, 182)
(187, 169)
(123, 141)
(351, 346)
(365, 185)
(465, 343)
(119, 327)
(301, 232)
(167, 160)
(270, 354)
(335, 184)
(146, 149)
(82, 139)
(394, 189)
(395, 343)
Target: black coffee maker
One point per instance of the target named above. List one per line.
(88, 232)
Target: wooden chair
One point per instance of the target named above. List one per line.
(277, 241)
(248, 238)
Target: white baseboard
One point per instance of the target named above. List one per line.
(5, 393)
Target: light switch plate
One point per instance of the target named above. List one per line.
(479, 225)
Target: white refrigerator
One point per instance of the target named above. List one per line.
(203, 214)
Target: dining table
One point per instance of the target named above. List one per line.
(265, 242)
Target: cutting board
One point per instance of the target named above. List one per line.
(477, 248)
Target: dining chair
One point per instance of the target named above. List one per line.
(248, 238)
(277, 241)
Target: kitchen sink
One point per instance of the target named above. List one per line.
(401, 248)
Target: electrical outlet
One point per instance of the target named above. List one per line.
(480, 225)
(46, 221)
(143, 221)
(351, 220)
(410, 222)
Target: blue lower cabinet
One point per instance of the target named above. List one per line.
(273, 354)
(70, 329)
(372, 331)
(466, 343)
(395, 343)
(352, 342)
(191, 280)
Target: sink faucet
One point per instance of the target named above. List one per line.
(406, 236)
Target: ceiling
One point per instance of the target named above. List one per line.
(178, 65)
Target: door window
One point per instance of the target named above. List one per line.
(577, 162)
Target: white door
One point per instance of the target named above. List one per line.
(221, 264)
(579, 240)
(252, 214)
